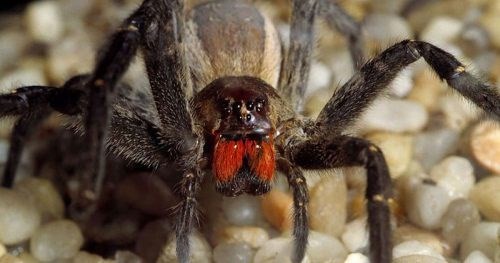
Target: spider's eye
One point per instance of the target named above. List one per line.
(237, 106)
(226, 107)
(259, 104)
(250, 105)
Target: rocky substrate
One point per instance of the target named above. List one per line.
(445, 164)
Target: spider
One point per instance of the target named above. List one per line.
(224, 102)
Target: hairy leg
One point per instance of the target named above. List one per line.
(355, 96)
(349, 151)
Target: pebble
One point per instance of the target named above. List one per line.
(43, 195)
(21, 77)
(482, 237)
(486, 196)
(408, 232)
(397, 149)
(419, 259)
(320, 76)
(490, 21)
(454, 174)
(7, 258)
(127, 256)
(458, 111)
(56, 240)
(277, 208)
(485, 145)
(277, 250)
(322, 247)
(328, 205)
(477, 256)
(427, 205)
(403, 83)
(442, 30)
(386, 29)
(233, 252)
(12, 44)
(201, 252)
(3, 250)
(342, 67)
(244, 209)
(253, 236)
(19, 218)
(85, 257)
(316, 101)
(428, 89)
(430, 147)
(394, 115)
(357, 258)
(44, 21)
(413, 247)
(26, 257)
(355, 236)
(459, 218)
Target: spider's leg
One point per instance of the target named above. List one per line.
(297, 61)
(165, 58)
(297, 182)
(350, 100)
(349, 151)
(340, 20)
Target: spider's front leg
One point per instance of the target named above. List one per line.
(344, 151)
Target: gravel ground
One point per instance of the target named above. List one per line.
(443, 155)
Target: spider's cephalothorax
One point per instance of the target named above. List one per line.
(213, 108)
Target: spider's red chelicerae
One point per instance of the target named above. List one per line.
(243, 121)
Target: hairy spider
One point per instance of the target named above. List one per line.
(214, 107)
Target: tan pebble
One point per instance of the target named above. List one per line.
(253, 236)
(8, 258)
(328, 205)
(486, 196)
(428, 88)
(397, 149)
(485, 145)
(26, 257)
(277, 209)
(85, 257)
(3, 250)
(44, 196)
(490, 22)
(409, 232)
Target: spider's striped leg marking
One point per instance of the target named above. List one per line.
(349, 151)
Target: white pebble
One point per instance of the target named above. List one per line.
(355, 236)
(426, 205)
(441, 30)
(459, 218)
(454, 174)
(403, 83)
(44, 195)
(201, 252)
(85, 257)
(341, 66)
(3, 250)
(233, 252)
(432, 146)
(394, 116)
(419, 259)
(253, 236)
(323, 247)
(44, 21)
(477, 257)
(56, 240)
(458, 111)
(357, 258)
(21, 77)
(242, 210)
(485, 196)
(319, 77)
(276, 250)
(482, 237)
(19, 218)
(385, 29)
(413, 247)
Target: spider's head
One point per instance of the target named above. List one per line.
(238, 116)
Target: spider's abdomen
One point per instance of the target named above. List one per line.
(231, 38)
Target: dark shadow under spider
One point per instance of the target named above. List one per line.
(236, 125)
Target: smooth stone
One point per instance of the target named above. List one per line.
(253, 236)
(486, 196)
(85, 257)
(419, 259)
(342, 67)
(394, 115)
(3, 250)
(485, 145)
(357, 258)
(397, 149)
(459, 218)
(442, 30)
(482, 237)
(56, 240)
(489, 22)
(402, 84)
(201, 252)
(277, 208)
(413, 247)
(408, 232)
(26, 257)
(428, 88)
(432, 146)
(233, 252)
(323, 247)
(385, 29)
(319, 78)
(22, 77)
(426, 205)
(242, 210)
(458, 111)
(328, 204)
(477, 257)
(19, 218)
(316, 102)
(8, 258)
(355, 236)
(44, 21)
(43, 195)
(127, 256)
(12, 44)
(454, 174)
(276, 250)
